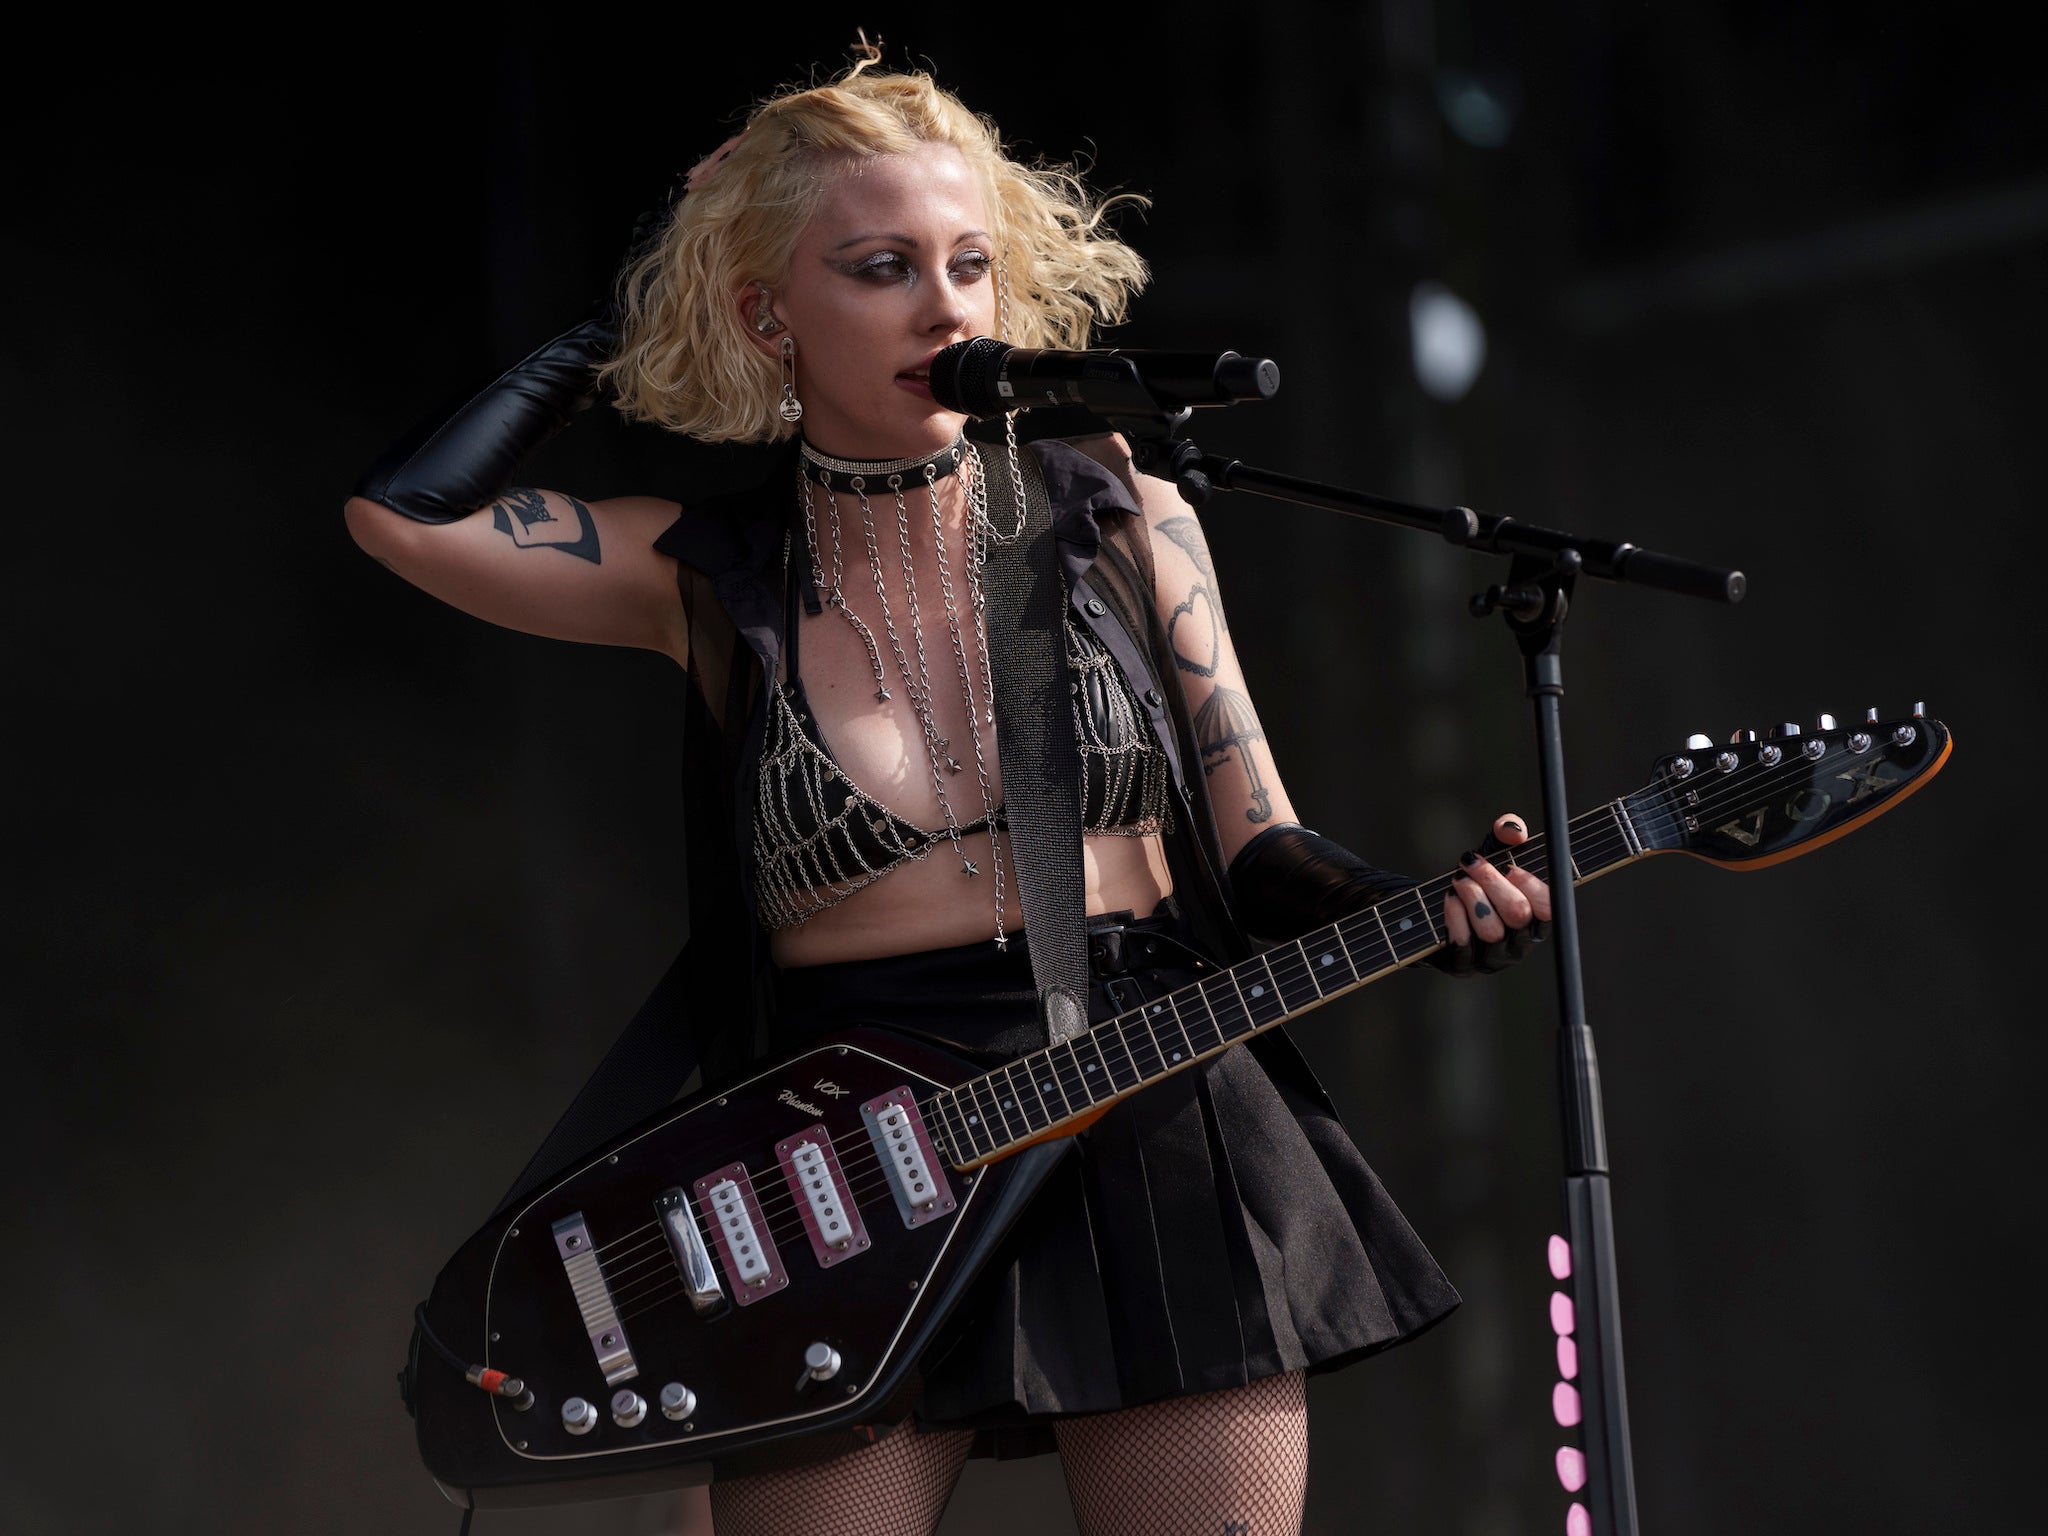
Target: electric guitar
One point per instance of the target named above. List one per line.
(752, 1273)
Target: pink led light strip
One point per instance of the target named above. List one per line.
(1564, 1397)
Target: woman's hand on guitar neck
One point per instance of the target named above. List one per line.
(1492, 919)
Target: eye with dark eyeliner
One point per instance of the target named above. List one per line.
(881, 267)
(893, 267)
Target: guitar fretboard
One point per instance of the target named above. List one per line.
(992, 1115)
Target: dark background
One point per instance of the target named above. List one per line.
(325, 897)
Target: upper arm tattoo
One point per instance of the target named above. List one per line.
(1187, 533)
(523, 515)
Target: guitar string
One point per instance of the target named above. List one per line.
(1532, 853)
(1757, 782)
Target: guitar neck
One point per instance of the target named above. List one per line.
(1057, 1090)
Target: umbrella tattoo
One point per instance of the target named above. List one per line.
(1227, 723)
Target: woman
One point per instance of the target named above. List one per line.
(1213, 1238)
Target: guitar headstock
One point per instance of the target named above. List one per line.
(1762, 799)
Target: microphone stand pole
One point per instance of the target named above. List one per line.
(1544, 566)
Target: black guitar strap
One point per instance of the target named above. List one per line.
(1027, 607)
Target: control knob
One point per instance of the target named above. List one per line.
(628, 1407)
(579, 1417)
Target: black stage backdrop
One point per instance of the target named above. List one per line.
(324, 897)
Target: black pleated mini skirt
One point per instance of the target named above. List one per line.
(1212, 1229)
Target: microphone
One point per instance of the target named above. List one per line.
(986, 377)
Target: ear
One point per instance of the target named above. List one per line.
(749, 303)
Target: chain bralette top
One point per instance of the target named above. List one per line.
(818, 837)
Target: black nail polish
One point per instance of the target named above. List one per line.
(1459, 874)
(1514, 826)
(1482, 910)
(1468, 858)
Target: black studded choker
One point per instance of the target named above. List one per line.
(857, 475)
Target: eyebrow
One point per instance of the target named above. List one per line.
(972, 234)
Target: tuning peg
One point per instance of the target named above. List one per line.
(1919, 711)
(1826, 722)
(1742, 738)
(1779, 732)
(1698, 743)
(1870, 717)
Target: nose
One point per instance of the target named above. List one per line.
(945, 308)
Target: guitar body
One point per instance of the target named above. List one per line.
(751, 1276)
(583, 1291)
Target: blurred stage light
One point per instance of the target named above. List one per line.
(1448, 342)
(1481, 111)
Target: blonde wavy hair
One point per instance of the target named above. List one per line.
(684, 360)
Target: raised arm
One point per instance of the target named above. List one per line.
(437, 508)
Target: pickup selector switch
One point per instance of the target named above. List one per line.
(578, 1416)
(628, 1408)
(821, 1363)
(677, 1401)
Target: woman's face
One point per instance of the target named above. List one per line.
(897, 264)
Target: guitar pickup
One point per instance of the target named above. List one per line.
(746, 1246)
(594, 1300)
(831, 1219)
(899, 1135)
(686, 1247)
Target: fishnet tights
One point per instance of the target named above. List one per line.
(1230, 1463)
(896, 1487)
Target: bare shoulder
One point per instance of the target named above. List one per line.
(1173, 524)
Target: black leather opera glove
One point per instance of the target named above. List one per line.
(455, 461)
(1288, 880)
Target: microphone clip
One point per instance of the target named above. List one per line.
(1157, 450)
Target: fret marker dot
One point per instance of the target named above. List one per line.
(1407, 923)
(974, 1119)
(1158, 1007)
(1008, 1105)
(1091, 1066)
(1176, 1055)
(1329, 959)
(1045, 1087)
(1258, 991)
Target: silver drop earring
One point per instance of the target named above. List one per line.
(792, 409)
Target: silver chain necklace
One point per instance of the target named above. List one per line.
(835, 475)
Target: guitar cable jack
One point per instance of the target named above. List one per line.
(497, 1383)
